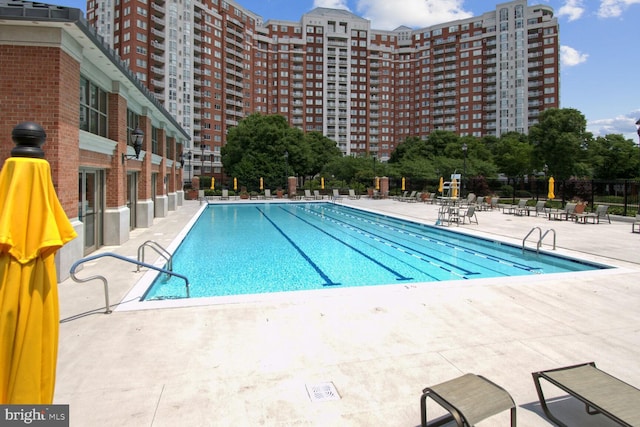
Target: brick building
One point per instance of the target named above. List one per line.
(56, 71)
(213, 62)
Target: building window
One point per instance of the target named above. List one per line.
(93, 108)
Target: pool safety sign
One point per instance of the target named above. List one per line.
(34, 415)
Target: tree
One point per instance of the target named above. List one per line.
(513, 155)
(256, 148)
(559, 138)
(322, 151)
(613, 157)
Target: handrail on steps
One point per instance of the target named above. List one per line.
(108, 310)
(541, 237)
(159, 250)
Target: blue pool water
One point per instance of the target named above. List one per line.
(236, 249)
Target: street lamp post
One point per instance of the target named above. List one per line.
(464, 169)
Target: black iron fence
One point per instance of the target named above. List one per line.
(622, 196)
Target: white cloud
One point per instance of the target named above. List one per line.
(572, 9)
(388, 15)
(331, 4)
(614, 8)
(624, 125)
(570, 57)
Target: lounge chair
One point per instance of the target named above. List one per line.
(469, 399)
(600, 392)
(401, 196)
(353, 195)
(336, 195)
(471, 199)
(470, 213)
(409, 197)
(636, 224)
(431, 198)
(267, 194)
(307, 195)
(225, 195)
(494, 203)
(538, 209)
(601, 212)
(515, 209)
(317, 195)
(562, 214)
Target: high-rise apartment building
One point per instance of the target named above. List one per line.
(214, 62)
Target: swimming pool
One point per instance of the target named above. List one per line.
(239, 249)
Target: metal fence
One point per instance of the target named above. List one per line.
(622, 196)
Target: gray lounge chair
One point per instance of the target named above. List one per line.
(225, 195)
(469, 399)
(563, 214)
(307, 195)
(636, 225)
(601, 212)
(538, 209)
(353, 195)
(336, 195)
(600, 392)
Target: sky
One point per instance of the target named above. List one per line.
(598, 64)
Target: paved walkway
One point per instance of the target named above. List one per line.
(250, 363)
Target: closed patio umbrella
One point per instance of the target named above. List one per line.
(441, 186)
(213, 183)
(550, 195)
(33, 226)
(454, 188)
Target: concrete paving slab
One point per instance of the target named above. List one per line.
(249, 361)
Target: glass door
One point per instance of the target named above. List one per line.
(132, 197)
(90, 207)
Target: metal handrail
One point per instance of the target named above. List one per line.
(108, 310)
(543, 236)
(529, 233)
(159, 250)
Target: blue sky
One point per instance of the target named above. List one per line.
(600, 71)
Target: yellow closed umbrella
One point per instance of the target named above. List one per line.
(261, 184)
(403, 183)
(235, 184)
(322, 183)
(213, 183)
(454, 188)
(441, 186)
(33, 226)
(550, 195)
(377, 183)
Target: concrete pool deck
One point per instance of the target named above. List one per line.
(250, 362)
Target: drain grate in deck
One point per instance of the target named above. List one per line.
(322, 392)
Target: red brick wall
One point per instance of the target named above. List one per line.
(41, 84)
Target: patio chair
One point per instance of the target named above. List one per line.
(562, 214)
(538, 209)
(409, 197)
(470, 213)
(401, 196)
(514, 209)
(600, 392)
(431, 198)
(317, 195)
(353, 195)
(469, 399)
(494, 203)
(601, 212)
(636, 224)
(336, 195)
(307, 195)
(225, 195)
(267, 194)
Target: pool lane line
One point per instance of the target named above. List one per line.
(327, 279)
(399, 276)
(434, 261)
(441, 242)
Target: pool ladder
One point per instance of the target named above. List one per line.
(140, 263)
(541, 237)
(159, 250)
